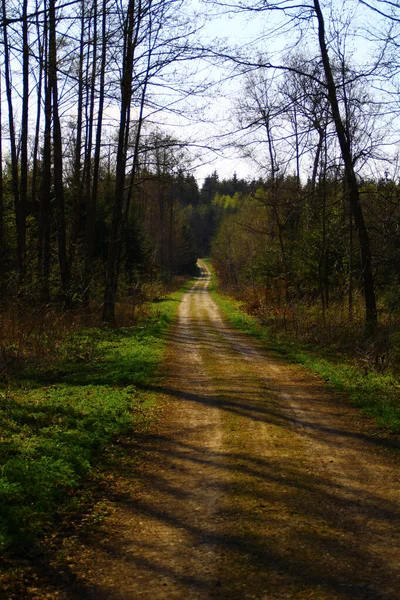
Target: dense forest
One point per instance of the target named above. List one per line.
(98, 198)
(117, 119)
(289, 251)
(91, 189)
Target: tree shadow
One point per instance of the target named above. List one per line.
(278, 529)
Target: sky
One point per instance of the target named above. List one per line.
(220, 103)
(219, 100)
(251, 34)
(244, 31)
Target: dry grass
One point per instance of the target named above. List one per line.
(332, 330)
(35, 334)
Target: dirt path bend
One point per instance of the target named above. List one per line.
(255, 483)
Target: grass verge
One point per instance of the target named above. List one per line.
(56, 422)
(376, 394)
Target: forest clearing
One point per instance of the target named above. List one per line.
(253, 480)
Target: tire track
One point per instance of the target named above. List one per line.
(255, 483)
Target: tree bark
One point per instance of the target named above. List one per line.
(92, 203)
(116, 231)
(13, 144)
(45, 187)
(1, 206)
(275, 211)
(371, 316)
(23, 200)
(77, 172)
(57, 157)
(38, 111)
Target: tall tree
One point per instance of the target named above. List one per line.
(131, 32)
(303, 15)
(58, 154)
(371, 316)
(92, 201)
(155, 35)
(45, 186)
(39, 91)
(23, 200)
(77, 190)
(1, 201)
(13, 143)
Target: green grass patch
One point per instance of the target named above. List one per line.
(56, 422)
(376, 394)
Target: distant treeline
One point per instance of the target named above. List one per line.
(281, 243)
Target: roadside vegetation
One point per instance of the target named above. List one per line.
(68, 393)
(377, 393)
(97, 214)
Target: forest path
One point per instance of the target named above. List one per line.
(256, 482)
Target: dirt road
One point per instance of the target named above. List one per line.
(256, 482)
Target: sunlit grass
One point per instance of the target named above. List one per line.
(56, 420)
(377, 394)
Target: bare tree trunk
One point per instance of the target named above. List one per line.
(137, 142)
(322, 257)
(45, 188)
(23, 200)
(90, 119)
(1, 206)
(90, 207)
(58, 158)
(275, 211)
(92, 204)
(116, 231)
(170, 231)
(371, 316)
(13, 145)
(77, 174)
(317, 157)
(38, 111)
(350, 297)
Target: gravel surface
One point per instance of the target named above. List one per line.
(255, 481)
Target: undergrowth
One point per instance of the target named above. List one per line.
(59, 415)
(378, 394)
